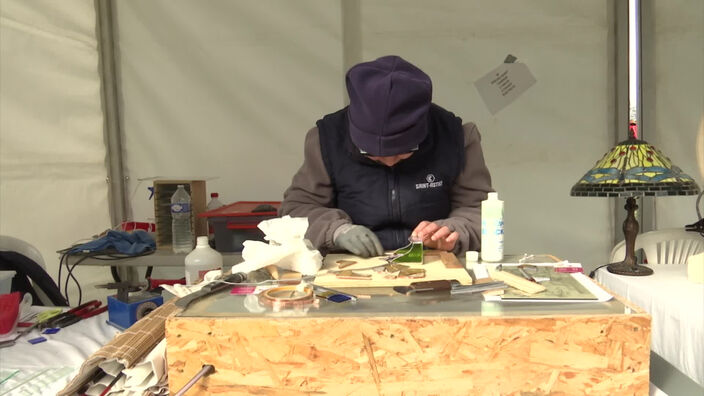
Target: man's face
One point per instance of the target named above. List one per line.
(390, 160)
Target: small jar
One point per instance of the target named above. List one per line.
(471, 258)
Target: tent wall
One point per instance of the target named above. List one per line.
(237, 85)
(538, 147)
(674, 89)
(225, 91)
(52, 156)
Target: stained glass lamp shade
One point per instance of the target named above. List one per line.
(631, 169)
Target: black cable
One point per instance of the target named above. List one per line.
(58, 280)
(697, 226)
(148, 274)
(699, 214)
(78, 285)
(115, 274)
(65, 291)
(64, 258)
(102, 255)
(69, 274)
(591, 274)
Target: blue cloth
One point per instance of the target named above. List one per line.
(131, 243)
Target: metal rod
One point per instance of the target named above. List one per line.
(634, 64)
(207, 369)
(351, 11)
(109, 94)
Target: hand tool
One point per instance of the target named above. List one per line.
(83, 311)
(447, 286)
(515, 281)
(524, 268)
(211, 288)
(206, 370)
(40, 319)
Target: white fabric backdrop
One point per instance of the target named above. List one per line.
(679, 99)
(539, 146)
(228, 90)
(225, 91)
(52, 155)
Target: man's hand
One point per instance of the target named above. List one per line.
(434, 236)
(361, 241)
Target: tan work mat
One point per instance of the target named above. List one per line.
(434, 268)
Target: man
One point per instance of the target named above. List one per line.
(390, 166)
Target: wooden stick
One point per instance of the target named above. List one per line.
(519, 283)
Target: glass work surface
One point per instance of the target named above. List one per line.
(420, 305)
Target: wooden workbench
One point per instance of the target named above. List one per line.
(392, 345)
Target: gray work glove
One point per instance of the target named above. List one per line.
(358, 240)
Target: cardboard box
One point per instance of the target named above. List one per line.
(163, 190)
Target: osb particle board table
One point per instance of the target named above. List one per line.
(411, 345)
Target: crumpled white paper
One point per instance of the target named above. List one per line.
(287, 248)
(149, 376)
(148, 373)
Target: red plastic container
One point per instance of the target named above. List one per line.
(237, 222)
(9, 309)
(138, 225)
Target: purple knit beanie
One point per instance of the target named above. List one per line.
(389, 102)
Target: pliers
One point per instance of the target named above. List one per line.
(83, 311)
(41, 318)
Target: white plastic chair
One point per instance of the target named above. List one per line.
(663, 247)
(16, 245)
(8, 243)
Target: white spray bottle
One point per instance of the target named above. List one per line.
(492, 228)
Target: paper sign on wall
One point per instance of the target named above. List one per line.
(501, 86)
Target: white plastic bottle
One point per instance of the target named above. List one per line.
(212, 205)
(181, 231)
(471, 258)
(201, 260)
(492, 228)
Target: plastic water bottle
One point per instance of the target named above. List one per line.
(492, 228)
(212, 205)
(181, 232)
(201, 260)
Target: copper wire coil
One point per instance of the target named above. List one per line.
(284, 297)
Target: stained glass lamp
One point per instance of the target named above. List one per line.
(631, 169)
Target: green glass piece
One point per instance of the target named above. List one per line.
(413, 253)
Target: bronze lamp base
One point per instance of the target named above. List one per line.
(625, 269)
(630, 229)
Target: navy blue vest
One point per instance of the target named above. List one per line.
(391, 201)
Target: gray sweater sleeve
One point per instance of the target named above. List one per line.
(470, 189)
(311, 195)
